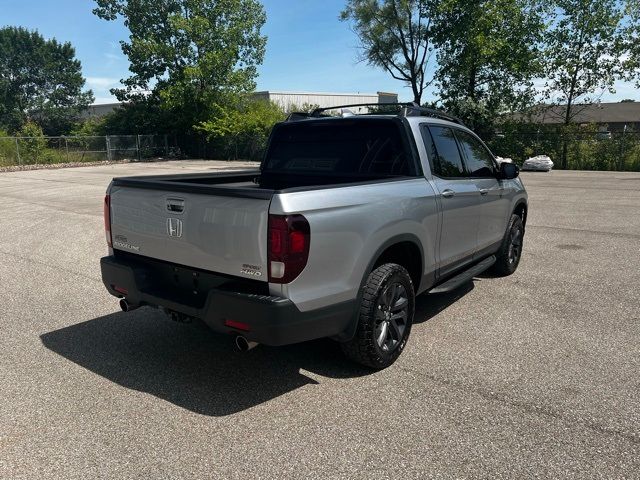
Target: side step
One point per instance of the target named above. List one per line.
(465, 276)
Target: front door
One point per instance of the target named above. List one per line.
(495, 204)
(459, 198)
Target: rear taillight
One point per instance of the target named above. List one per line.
(107, 218)
(288, 247)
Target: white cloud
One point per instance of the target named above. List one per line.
(113, 57)
(102, 83)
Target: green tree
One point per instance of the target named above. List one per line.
(242, 130)
(39, 80)
(188, 54)
(91, 127)
(583, 55)
(488, 54)
(395, 35)
(146, 115)
(632, 36)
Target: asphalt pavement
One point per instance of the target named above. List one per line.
(534, 375)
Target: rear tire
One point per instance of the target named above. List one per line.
(508, 257)
(385, 319)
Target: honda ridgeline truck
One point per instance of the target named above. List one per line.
(346, 221)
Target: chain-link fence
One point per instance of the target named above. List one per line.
(577, 150)
(50, 150)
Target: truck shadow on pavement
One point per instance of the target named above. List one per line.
(430, 305)
(197, 369)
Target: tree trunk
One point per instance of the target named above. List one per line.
(471, 93)
(565, 146)
(417, 95)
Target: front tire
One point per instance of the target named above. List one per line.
(508, 257)
(385, 319)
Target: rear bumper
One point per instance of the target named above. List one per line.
(271, 320)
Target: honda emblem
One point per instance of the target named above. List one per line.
(174, 227)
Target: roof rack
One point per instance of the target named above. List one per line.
(408, 109)
(293, 116)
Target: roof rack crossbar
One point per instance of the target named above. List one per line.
(316, 112)
(293, 116)
(408, 109)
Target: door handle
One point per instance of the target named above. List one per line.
(448, 193)
(175, 205)
(484, 191)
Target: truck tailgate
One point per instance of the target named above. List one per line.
(224, 234)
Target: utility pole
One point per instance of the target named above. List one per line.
(621, 163)
(108, 143)
(18, 151)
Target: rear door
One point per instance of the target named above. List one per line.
(459, 198)
(223, 234)
(495, 205)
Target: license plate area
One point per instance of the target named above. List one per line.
(183, 284)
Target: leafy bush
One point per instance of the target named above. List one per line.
(242, 131)
(91, 127)
(306, 107)
(632, 158)
(588, 148)
(7, 149)
(32, 145)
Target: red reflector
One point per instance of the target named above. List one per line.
(121, 290)
(237, 325)
(296, 242)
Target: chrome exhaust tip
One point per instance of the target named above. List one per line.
(244, 345)
(125, 306)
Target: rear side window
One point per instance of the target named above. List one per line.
(447, 161)
(478, 159)
(346, 147)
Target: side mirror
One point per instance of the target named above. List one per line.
(508, 171)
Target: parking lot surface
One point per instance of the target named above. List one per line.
(533, 375)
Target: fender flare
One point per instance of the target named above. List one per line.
(522, 203)
(350, 332)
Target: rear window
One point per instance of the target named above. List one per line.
(359, 148)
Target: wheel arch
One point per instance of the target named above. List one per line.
(398, 248)
(521, 209)
(405, 252)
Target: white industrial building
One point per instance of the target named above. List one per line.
(97, 110)
(288, 101)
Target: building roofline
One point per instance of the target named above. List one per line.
(105, 104)
(335, 94)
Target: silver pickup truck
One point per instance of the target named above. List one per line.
(346, 221)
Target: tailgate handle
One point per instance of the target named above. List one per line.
(175, 205)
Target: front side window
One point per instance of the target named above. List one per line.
(447, 161)
(478, 159)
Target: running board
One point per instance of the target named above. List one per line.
(465, 276)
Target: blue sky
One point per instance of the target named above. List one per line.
(309, 49)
